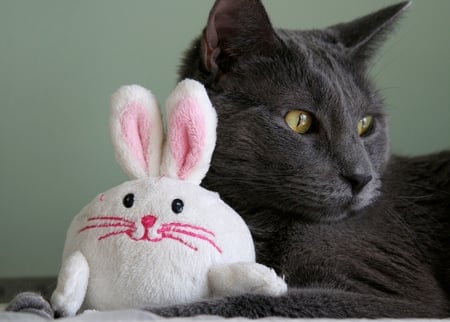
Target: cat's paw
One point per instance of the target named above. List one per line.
(31, 303)
(241, 278)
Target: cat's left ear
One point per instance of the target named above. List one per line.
(362, 37)
(236, 29)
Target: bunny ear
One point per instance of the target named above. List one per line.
(136, 131)
(191, 133)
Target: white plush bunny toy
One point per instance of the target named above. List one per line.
(159, 239)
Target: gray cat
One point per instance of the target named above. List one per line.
(302, 154)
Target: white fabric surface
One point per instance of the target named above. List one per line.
(137, 315)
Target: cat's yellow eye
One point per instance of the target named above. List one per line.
(364, 125)
(299, 121)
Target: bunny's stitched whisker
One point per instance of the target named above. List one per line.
(111, 218)
(176, 224)
(105, 226)
(178, 239)
(192, 234)
(114, 233)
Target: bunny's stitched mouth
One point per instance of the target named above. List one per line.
(179, 232)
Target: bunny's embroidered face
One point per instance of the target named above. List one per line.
(155, 210)
(157, 238)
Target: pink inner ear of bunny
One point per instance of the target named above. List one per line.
(135, 125)
(187, 135)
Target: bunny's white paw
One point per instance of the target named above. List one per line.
(72, 285)
(241, 278)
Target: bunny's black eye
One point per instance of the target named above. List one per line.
(128, 200)
(177, 206)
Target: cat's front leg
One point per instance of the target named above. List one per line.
(72, 285)
(240, 278)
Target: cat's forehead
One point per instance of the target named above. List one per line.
(322, 68)
(306, 70)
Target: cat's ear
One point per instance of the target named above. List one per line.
(362, 37)
(235, 29)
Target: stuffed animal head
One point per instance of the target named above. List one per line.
(151, 240)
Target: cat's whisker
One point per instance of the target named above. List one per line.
(405, 227)
(425, 187)
(410, 202)
(415, 197)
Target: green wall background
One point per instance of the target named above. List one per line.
(60, 61)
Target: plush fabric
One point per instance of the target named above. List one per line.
(191, 137)
(159, 239)
(136, 131)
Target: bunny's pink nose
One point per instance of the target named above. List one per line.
(148, 221)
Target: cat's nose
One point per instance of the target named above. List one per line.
(357, 181)
(148, 221)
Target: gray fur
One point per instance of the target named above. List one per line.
(28, 302)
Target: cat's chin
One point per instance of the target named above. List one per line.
(348, 207)
(358, 205)
(364, 199)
